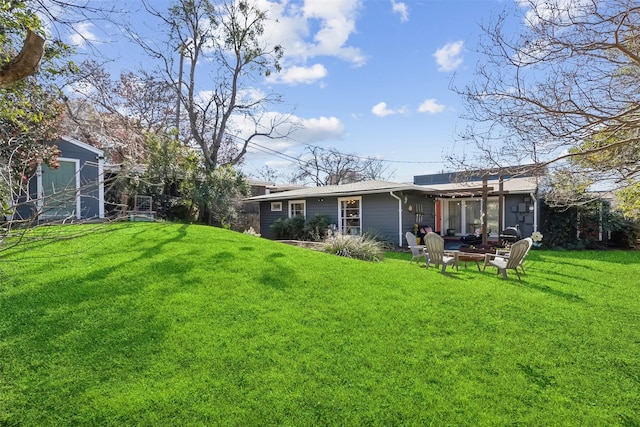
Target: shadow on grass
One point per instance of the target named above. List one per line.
(276, 275)
(555, 292)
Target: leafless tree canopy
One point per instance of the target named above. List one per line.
(332, 167)
(563, 91)
(116, 114)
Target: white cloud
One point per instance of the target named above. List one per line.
(318, 129)
(278, 164)
(559, 11)
(314, 28)
(381, 110)
(80, 88)
(82, 34)
(304, 75)
(448, 57)
(431, 106)
(401, 9)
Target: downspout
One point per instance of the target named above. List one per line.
(399, 217)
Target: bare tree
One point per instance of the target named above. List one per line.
(116, 114)
(267, 173)
(543, 96)
(332, 167)
(229, 36)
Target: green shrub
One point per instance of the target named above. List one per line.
(297, 228)
(363, 247)
(288, 228)
(315, 229)
(624, 232)
(279, 228)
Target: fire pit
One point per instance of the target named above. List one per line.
(478, 249)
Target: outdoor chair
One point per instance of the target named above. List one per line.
(530, 243)
(511, 260)
(417, 251)
(435, 249)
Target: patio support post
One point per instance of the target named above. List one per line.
(500, 204)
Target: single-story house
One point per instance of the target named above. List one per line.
(73, 191)
(367, 206)
(391, 209)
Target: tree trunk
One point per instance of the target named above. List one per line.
(25, 63)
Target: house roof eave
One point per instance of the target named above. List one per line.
(336, 191)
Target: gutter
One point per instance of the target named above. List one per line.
(399, 217)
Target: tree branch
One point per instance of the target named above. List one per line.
(25, 63)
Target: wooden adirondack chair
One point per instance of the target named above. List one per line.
(435, 249)
(510, 261)
(417, 251)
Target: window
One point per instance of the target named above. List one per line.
(276, 206)
(297, 208)
(465, 215)
(350, 215)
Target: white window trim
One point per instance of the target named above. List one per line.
(304, 208)
(276, 206)
(340, 200)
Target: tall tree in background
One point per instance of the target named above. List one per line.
(331, 167)
(562, 92)
(132, 118)
(229, 36)
(116, 114)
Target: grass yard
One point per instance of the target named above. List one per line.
(166, 324)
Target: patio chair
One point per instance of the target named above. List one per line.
(435, 249)
(417, 251)
(510, 261)
(530, 243)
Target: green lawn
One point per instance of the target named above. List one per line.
(169, 324)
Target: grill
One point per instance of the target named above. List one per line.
(510, 235)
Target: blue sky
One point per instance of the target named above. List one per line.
(369, 77)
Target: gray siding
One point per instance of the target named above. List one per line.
(89, 200)
(380, 216)
(409, 218)
(268, 217)
(89, 182)
(327, 206)
(516, 212)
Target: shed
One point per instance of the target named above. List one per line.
(73, 191)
